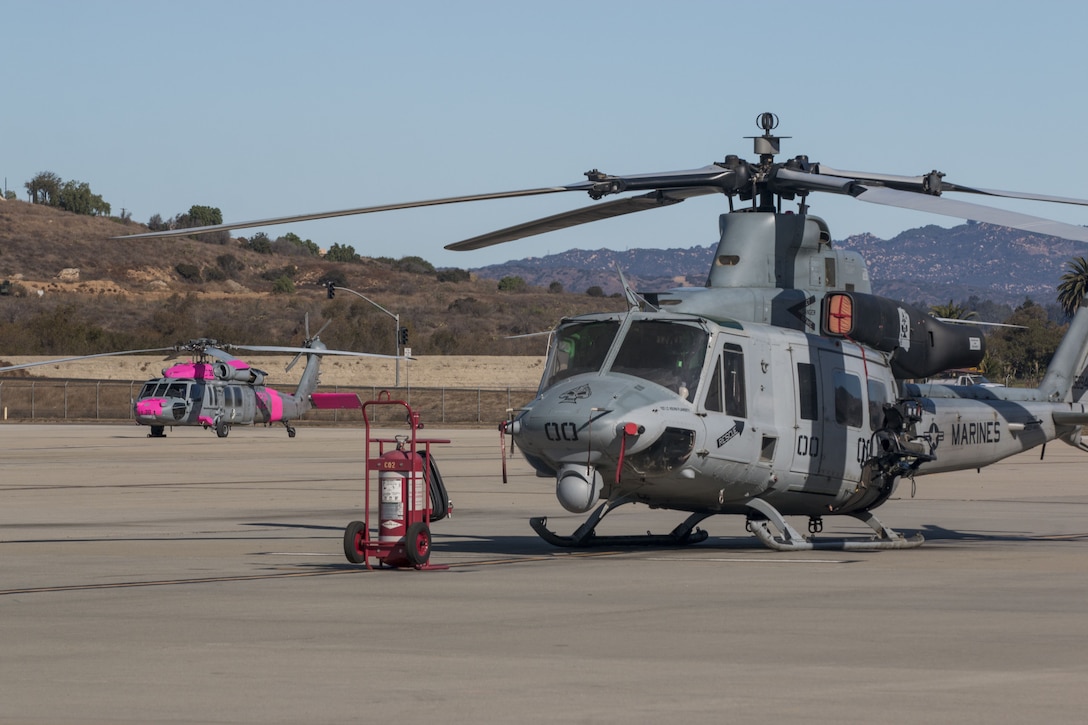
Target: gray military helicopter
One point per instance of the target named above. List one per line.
(216, 390)
(782, 387)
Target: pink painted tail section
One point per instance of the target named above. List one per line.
(328, 401)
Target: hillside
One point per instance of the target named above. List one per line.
(929, 264)
(78, 291)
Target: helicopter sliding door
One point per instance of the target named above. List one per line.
(831, 420)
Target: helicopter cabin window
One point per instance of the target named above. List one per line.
(667, 353)
(848, 400)
(806, 391)
(725, 389)
(580, 347)
(233, 396)
(877, 396)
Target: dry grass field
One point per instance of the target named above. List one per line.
(444, 390)
(430, 371)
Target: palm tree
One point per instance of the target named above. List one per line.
(953, 311)
(1074, 285)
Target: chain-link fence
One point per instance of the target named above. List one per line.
(108, 400)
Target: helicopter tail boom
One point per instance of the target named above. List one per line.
(1066, 377)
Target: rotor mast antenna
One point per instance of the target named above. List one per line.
(767, 146)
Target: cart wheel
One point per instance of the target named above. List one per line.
(418, 543)
(355, 539)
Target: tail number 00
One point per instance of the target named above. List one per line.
(561, 431)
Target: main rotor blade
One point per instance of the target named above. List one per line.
(907, 183)
(917, 183)
(580, 186)
(966, 210)
(218, 354)
(85, 357)
(1014, 194)
(312, 351)
(583, 215)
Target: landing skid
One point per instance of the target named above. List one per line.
(585, 536)
(791, 540)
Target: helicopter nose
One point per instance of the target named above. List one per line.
(159, 409)
(589, 422)
(150, 407)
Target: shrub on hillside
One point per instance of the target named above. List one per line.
(188, 272)
(283, 286)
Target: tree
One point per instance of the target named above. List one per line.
(44, 188)
(77, 197)
(1023, 353)
(953, 311)
(413, 265)
(595, 291)
(341, 253)
(291, 243)
(204, 216)
(453, 274)
(555, 288)
(259, 243)
(513, 284)
(1074, 285)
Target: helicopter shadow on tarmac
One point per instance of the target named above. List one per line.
(934, 533)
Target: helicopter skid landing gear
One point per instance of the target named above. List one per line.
(584, 535)
(791, 540)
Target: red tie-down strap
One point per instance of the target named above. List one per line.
(629, 429)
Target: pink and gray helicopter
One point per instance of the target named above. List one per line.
(216, 390)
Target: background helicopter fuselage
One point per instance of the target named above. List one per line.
(206, 394)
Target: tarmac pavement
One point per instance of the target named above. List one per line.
(201, 580)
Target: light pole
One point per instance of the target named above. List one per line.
(399, 334)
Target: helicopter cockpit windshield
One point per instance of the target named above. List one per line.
(580, 347)
(665, 352)
(172, 389)
(669, 353)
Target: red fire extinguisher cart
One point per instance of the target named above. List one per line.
(401, 475)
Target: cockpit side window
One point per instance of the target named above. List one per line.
(670, 354)
(726, 390)
(580, 347)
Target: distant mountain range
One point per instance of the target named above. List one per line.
(928, 265)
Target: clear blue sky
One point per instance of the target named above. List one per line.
(273, 108)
